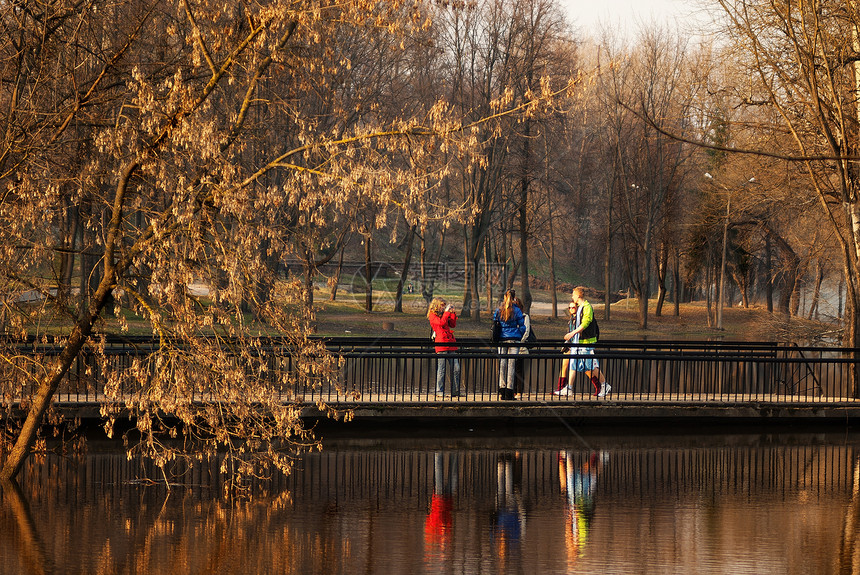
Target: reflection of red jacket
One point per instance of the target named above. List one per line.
(437, 528)
(442, 327)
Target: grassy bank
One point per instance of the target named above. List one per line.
(347, 317)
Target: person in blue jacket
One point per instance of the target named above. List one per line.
(513, 328)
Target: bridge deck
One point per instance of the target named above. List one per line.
(615, 407)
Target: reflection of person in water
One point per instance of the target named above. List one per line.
(578, 478)
(509, 520)
(437, 527)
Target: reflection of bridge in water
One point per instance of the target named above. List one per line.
(396, 377)
(667, 505)
(406, 470)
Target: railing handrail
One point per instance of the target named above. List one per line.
(147, 343)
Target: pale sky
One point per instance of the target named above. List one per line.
(588, 15)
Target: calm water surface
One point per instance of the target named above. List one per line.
(568, 502)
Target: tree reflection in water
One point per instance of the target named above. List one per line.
(764, 504)
(20, 527)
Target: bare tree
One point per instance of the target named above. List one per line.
(499, 52)
(539, 56)
(653, 85)
(803, 63)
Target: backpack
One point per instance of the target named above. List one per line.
(497, 330)
(591, 330)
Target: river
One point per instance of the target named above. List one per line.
(471, 501)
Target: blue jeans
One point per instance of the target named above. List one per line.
(447, 357)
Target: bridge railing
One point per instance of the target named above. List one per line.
(404, 370)
(637, 371)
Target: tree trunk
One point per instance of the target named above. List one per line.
(512, 276)
(789, 300)
(428, 278)
(309, 279)
(476, 245)
(816, 294)
(709, 279)
(768, 264)
(475, 292)
(264, 285)
(49, 383)
(67, 258)
(91, 273)
(745, 295)
(553, 284)
(789, 297)
(839, 303)
(526, 295)
(662, 268)
(645, 284)
(368, 275)
(489, 273)
(643, 310)
(784, 302)
(426, 281)
(404, 272)
(77, 338)
(466, 310)
(796, 292)
(676, 279)
(607, 261)
(335, 282)
(849, 338)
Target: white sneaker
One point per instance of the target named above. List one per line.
(563, 391)
(604, 389)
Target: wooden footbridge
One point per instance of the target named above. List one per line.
(395, 378)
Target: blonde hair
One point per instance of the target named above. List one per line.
(506, 308)
(437, 306)
(579, 290)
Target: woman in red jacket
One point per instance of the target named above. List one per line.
(442, 319)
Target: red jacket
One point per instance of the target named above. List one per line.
(442, 327)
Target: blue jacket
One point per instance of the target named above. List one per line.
(515, 327)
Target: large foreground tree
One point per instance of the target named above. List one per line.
(135, 127)
(166, 153)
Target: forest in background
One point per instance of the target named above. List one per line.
(627, 184)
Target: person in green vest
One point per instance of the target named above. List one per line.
(582, 357)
